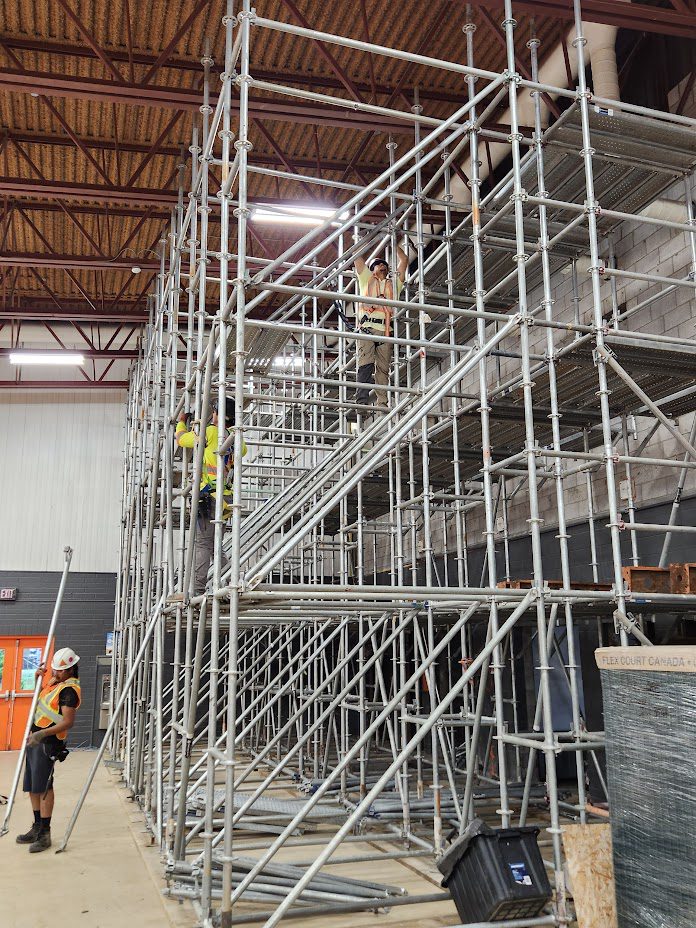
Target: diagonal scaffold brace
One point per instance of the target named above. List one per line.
(68, 552)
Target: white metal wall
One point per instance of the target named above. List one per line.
(61, 459)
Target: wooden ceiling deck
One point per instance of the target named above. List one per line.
(98, 100)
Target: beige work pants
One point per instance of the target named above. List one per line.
(373, 360)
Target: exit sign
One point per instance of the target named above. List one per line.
(8, 593)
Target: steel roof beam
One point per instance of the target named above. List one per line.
(63, 385)
(54, 85)
(142, 196)
(82, 209)
(36, 313)
(80, 262)
(637, 16)
(65, 190)
(69, 303)
(50, 85)
(312, 80)
(174, 151)
(67, 263)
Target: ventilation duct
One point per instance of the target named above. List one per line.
(601, 41)
(601, 52)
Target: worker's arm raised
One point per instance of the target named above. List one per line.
(402, 264)
(184, 438)
(359, 264)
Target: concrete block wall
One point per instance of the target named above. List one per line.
(87, 614)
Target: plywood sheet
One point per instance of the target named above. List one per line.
(673, 658)
(588, 853)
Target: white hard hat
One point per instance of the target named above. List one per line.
(64, 658)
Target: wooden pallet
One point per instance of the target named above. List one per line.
(527, 584)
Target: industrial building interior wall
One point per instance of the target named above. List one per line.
(61, 465)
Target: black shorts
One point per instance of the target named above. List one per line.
(38, 770)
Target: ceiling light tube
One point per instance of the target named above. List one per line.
(46, 357)
(294, 215)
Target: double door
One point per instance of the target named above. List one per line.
(19, 660)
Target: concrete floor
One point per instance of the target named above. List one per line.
(107, 877)
(110, 875)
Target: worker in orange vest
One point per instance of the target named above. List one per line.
(54, 716)
(374, 357)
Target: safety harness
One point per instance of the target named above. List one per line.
(376, 320)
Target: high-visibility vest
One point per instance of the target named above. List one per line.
(188, 440)
(376, 320)
(209, 471)
(48, 707)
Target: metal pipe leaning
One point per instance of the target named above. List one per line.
(68, 551)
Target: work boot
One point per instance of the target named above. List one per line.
(30, 836)
(42, 843)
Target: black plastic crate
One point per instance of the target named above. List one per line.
(495, 875)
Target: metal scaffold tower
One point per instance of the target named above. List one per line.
(353, 670)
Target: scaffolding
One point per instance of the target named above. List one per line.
(352, 672)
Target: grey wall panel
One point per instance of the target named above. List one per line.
(61, 468)
(86, 616)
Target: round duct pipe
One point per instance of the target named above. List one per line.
(601, 40)
(602, 48)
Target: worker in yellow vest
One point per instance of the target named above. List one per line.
(56, 708)
(374, 357)
(204, 542)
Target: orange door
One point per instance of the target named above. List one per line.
(19, 658)
(7, 662)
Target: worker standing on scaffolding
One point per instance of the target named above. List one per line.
(374, 357)
(205, 521)
(54, 716)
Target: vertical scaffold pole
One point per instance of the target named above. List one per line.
(243, 146)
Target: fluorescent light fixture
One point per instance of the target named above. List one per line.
(45, 357)
(295, 215)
